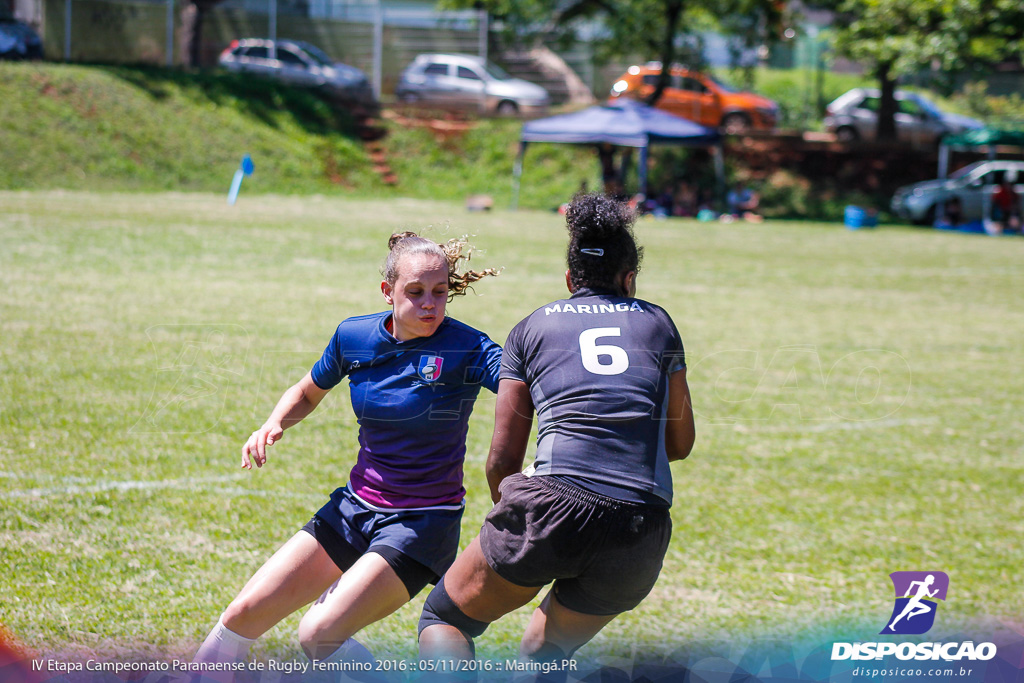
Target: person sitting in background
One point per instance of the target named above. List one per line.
(742, 203)
(953, 213)
(684, 200)
(658, 204)
(1006, 206)
(663, 204)
(609, 173)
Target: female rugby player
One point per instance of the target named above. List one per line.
(413, 376)
(606, 375)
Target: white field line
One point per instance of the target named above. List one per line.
(213, 484)
(833, 426)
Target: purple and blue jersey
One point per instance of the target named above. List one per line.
(412, 400)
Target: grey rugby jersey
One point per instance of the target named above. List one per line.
(597, 366)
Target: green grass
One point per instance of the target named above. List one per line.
(124, 128)
(143, 128)
(857, 396)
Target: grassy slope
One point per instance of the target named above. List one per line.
(127, 128)
(858, 413)
(145, 128)
(139, 128)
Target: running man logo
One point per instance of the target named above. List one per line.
(430, 367)
(917, 595)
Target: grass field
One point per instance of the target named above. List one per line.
(858, 400)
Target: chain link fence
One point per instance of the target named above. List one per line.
(371, 36)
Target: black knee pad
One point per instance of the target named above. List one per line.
(439, 609)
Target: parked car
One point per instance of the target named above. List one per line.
(298, 63)
(468, 81)
(971, 184)
(18, 40)
(700, 97)
(853, 116)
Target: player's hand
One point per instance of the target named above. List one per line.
(255, 449)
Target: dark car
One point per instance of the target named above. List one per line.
(298, 63)
(18, 40)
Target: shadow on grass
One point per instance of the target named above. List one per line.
(314, 110)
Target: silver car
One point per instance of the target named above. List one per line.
(298, 63)
(468, 81)
(972, 185)
(853, 116)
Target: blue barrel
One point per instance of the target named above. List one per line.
(855, 217)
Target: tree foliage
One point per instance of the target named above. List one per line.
(654, 29)
(901, 37)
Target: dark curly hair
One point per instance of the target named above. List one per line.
(454, 251)
(601, 242)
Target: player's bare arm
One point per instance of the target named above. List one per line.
(296, 403)
(513, 418)
(679, 429)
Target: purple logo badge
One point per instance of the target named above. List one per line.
(430, 367)
(917, 596)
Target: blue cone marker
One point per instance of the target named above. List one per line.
(244, 169)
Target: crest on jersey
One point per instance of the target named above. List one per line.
(430, 367)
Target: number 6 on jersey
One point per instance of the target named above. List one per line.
(591, 351)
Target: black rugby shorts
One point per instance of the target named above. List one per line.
(604, 555)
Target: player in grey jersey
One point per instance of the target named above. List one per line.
(606, 375)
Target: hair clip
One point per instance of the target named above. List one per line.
(593, 252)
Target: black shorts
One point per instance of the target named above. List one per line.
(419, 544)
(604, 555)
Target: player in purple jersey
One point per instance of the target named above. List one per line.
(413, 377)
(605, 373)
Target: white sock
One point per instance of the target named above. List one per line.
(223, 645)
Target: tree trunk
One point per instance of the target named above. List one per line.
(187, 35)
(886, 103)
(192, 19)
(673, 12)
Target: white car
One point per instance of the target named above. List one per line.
(853, 116)
(468, 81)
(971, 184)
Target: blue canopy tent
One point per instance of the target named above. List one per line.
(624, 123)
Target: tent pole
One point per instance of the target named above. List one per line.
(517, 171)
(641, 172)
(624, 165)
(719, 158)
(940, 209)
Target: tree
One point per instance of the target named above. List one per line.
(900, 37)
(192, 17)
(657, 28)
